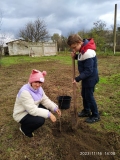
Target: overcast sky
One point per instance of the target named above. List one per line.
(60, 16)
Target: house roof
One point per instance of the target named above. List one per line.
(20, 39)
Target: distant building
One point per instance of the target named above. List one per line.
(22, 47)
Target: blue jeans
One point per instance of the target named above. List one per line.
(89, 102)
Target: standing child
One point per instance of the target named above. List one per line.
(87, 66)
(32, 105)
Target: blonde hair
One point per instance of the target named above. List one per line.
(74, 38)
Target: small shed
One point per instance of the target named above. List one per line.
(22, 47)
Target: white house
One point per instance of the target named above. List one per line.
(22, 47)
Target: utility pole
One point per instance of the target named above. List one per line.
(115, 16)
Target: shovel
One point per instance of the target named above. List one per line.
(74, 113)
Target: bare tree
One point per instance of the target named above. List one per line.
(35, 31)
(1, 42)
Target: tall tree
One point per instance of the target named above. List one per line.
(100, 33)
(64, 45)
(57, 38)
(35, 31)
(83, 34)
(118, 39)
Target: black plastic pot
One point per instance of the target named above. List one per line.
(64, 102)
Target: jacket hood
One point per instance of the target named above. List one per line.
(88, 44)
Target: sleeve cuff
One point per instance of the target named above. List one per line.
(76, 56)
(77, 79)
(55, 109)
(49, 113)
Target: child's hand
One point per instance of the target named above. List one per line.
(58, 112)
(52, 117)
(73, 54)
(74, 81)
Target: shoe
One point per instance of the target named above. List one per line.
(31, 135)
(92, 119)
(21, 131)
(84, 113)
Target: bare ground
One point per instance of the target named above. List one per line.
(87, 141)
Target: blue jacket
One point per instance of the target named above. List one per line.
(87, 64)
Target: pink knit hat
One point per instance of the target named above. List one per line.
(37, 76)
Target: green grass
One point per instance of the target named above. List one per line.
(112, 126)
(108, 53)
(63, 57)
(113, 79)
(11, 60)
(103, 80)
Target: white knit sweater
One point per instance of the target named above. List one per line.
(25, 104)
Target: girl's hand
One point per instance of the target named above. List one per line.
(58, 112)
(52, 117)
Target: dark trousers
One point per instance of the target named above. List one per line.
(89, 102)
(30, 123)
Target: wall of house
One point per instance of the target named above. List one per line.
(32, 48)
(50, 49)
(43, 49)
(18, 48)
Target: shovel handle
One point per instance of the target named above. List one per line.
(74, 87)
(74, 84)
(73, 66)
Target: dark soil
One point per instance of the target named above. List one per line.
(53, 141)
